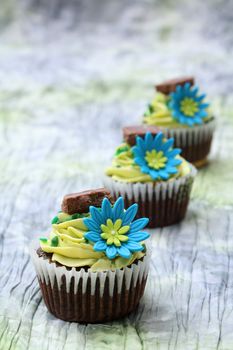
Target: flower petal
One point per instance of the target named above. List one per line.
(133, 246)
(187, 86)
(138, 152)
(149, 141)
(104, 235)
(175, 113)
(129, 215)
(154, 174)
(158, 141)
(118, 209)
(194, 91)
(91, 224)
(174, 162)
(171, 169)
(111, 252)
(124, 252)
(100, 246)
(110, 240)
(110, 224)
(92, 236)
(139, 161)
(163, 174)
(95, 215)
(138, 236)
(190, 122)
(140, 143)
(167, 144)
(201, 97)
(178, 88)
(198, 120)
(123, 238)
(117, 224)
(104, 228)
(173, 153)
(106, 210)
(123, 230)
(138, 225)
(116, 242)
(204, 105)
(145, 169)
(202, 114)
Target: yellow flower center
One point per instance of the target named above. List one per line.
(114, 233)
(155, 160)
(188, 106)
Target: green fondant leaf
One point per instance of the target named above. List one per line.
(75, 216)
(55, 220)
(121, 150)
(150, 108)
(42, 239)
(54, 241)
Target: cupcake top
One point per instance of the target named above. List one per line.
(178, 104)
(103, 236)
(147, 158)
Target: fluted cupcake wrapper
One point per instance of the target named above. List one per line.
(195, 142)
(164, 203)
(90, 297)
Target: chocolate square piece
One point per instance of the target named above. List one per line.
(79, 202)
(131, 132)
(169, 86)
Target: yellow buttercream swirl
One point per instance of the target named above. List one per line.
(161, 115)
(124, 168)
(73, 250)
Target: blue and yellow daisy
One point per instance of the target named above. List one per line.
(113, 230)
(156, 157)
(187, 106)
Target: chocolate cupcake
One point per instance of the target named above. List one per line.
(182, 112)
(147, 170)
(93, 266)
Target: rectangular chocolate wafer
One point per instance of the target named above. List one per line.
(131, 132)
(80, 202)
(169, 86)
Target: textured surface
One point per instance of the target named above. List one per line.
(71, 74)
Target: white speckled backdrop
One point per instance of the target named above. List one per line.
(72, 73)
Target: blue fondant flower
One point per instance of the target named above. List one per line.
(187, 106)
(156, 157)
(113, 231)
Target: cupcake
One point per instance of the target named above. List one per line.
(182, 112)
(146, 169)
(93, 266)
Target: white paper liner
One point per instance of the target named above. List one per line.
(49, 273)
(191, 136)
(143, 191)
